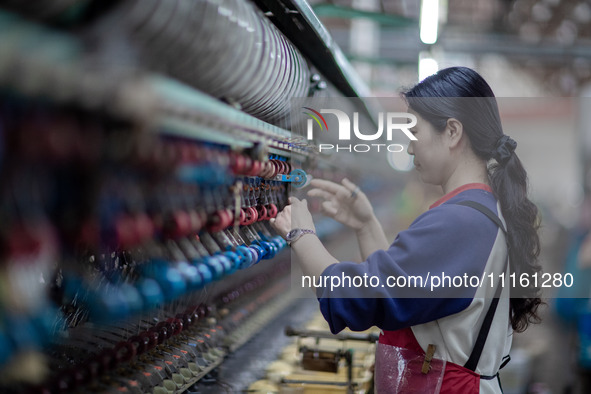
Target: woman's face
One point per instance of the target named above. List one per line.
(431, 154)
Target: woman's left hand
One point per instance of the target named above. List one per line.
(344, 202)
(295, 215)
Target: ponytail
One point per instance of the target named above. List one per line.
(509, 184)
(461, 93)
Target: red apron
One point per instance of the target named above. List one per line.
(456, 379)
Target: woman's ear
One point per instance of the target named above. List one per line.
(454, 131)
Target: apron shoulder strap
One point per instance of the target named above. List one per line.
(488, 319)
(489, 214)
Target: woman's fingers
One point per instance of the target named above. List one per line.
(340, 191)
(348, 184)
(296, 201)
(326, 185)
(282, 222)
(320, 193)
(329, 208)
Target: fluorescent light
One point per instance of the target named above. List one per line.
(429, 21)
(427, 66)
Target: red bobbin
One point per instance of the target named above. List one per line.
(124, 351)
(262, 211)
(125, 231)
(219, 220)
(254, 215)
(272, 211)
(144, 226)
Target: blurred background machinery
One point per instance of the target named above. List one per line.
(144, 148)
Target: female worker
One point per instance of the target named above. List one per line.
(448, 338)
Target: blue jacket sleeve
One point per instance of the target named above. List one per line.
(446, 242)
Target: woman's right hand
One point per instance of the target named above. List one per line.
(345, 203)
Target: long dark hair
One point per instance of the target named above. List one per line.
(461, 93)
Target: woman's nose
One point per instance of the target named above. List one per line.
(410, 149)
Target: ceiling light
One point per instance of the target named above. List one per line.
(429, 21)
(427, 66)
